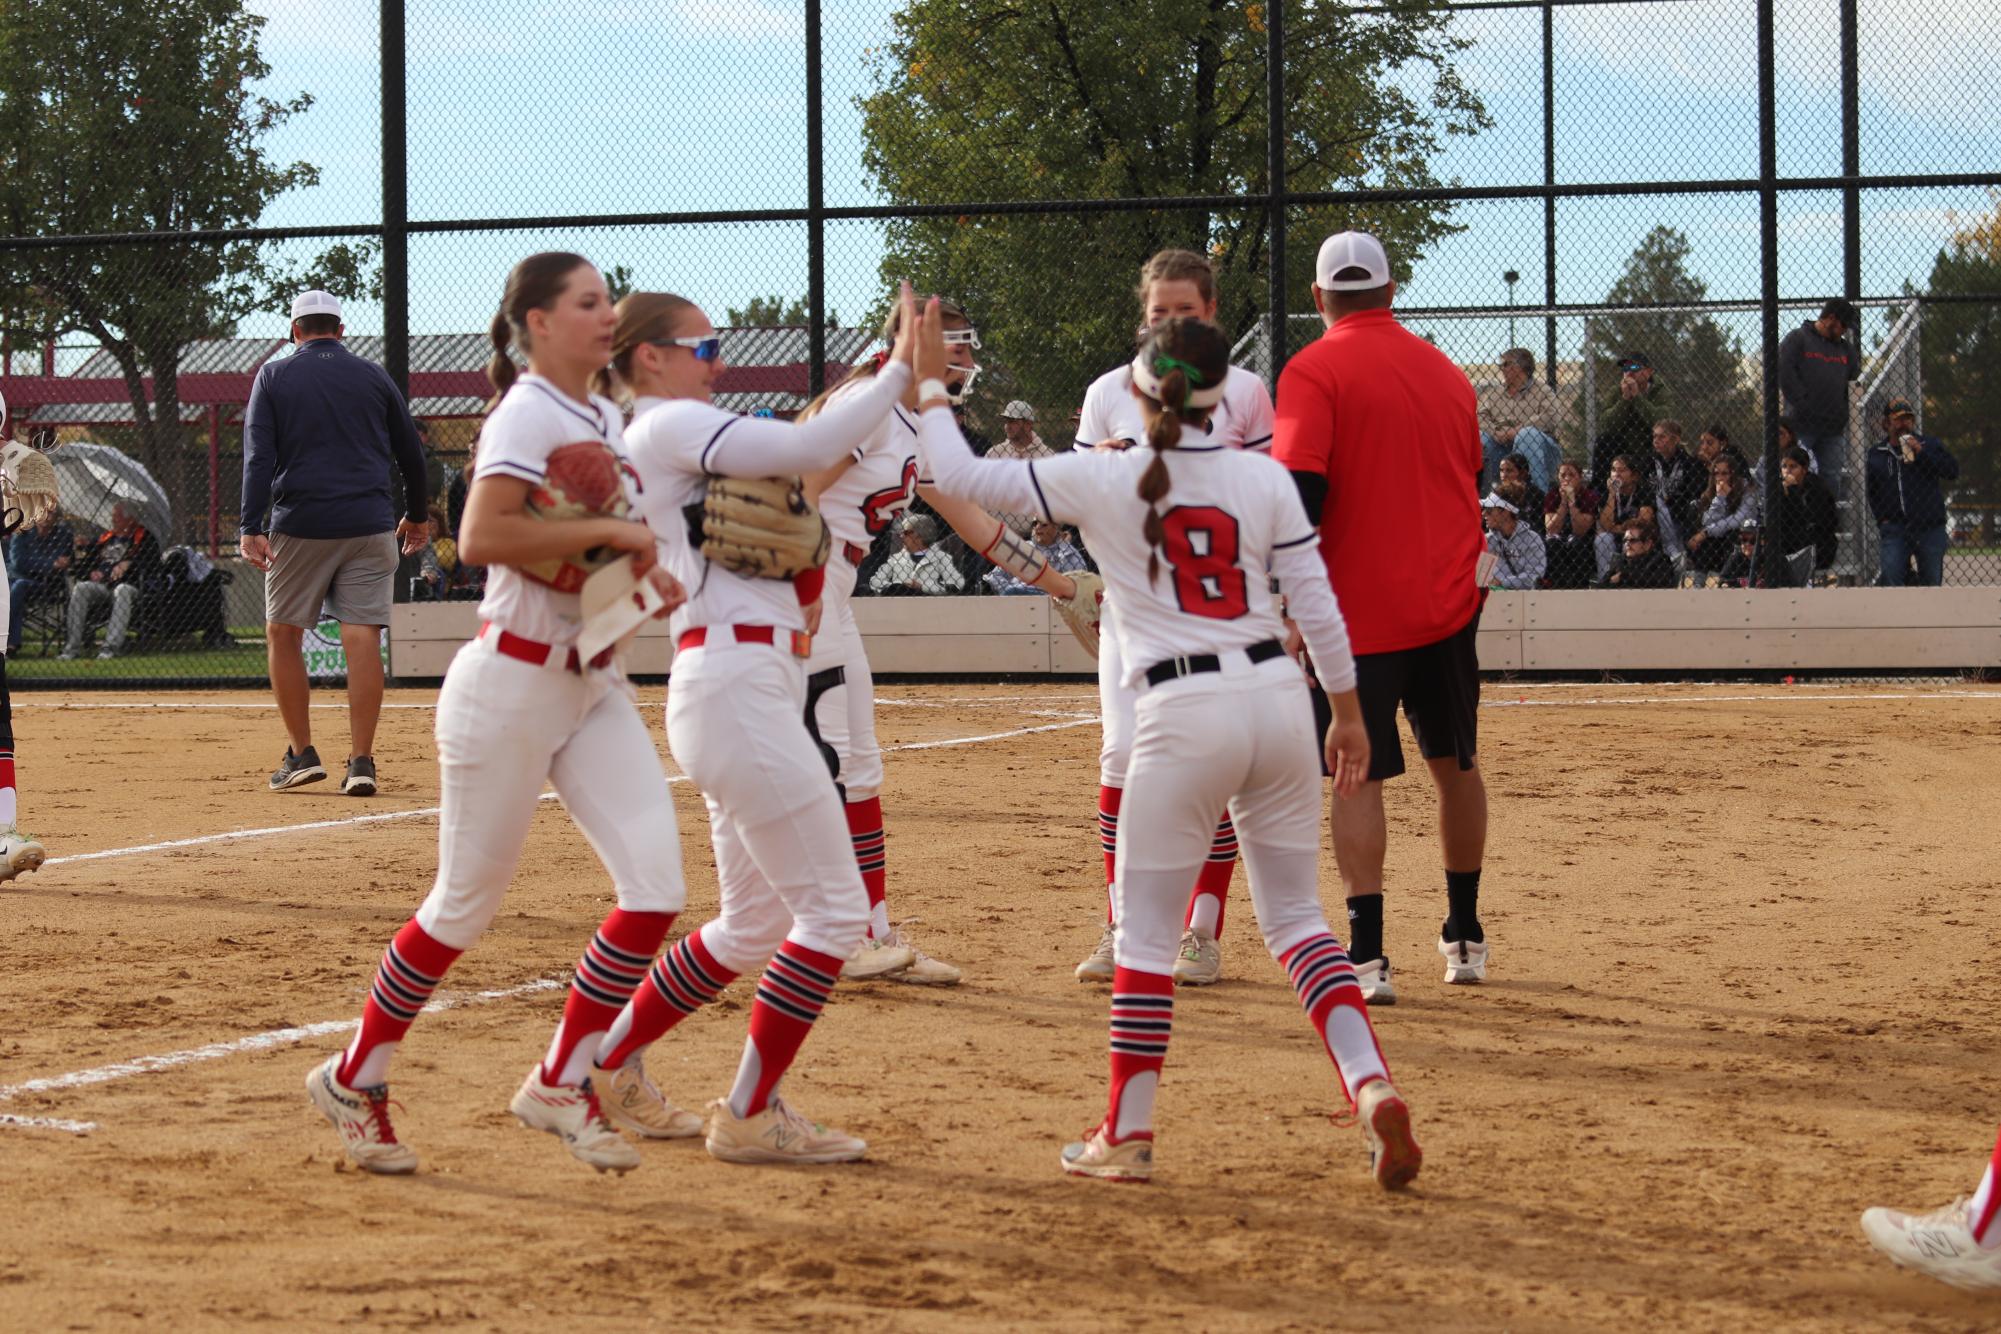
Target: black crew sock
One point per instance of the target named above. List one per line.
(1462, 921)
(1365, 928)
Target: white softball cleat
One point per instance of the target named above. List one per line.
(19, 853)
(1098, 1157)
(777, 1135)
(1394, 1157)
(631, 1101)
(877, 956)
(1939, 1244)
(1374, 979)
(1200, 961)
(573, 1116)
(362, 1118)
(924, 971)
(1100, 965)
(1465, 961)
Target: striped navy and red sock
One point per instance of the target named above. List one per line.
(1108, 839)
(410, 971)
(681, 981)
(790, 996)
(613, 965)
(8, 814)
(872, 856)
(1212, 885)
(1332, 999)
(1985, 1210)
(1142, 1022)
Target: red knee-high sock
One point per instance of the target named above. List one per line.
(1986, 1207)
(8, 813)
(872, 855)
(613, 965)
(410, 971)
(1328, 992)
(1213, 882)
(681, 981)
(1142, 1021)
(790, 996)
(1108, 838)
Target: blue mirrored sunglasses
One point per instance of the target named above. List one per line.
(705, 349)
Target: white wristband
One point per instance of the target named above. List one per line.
(930, 389)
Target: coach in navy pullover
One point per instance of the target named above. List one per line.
(318, 437)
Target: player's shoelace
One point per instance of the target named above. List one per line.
(379, 1103)
(1191, 947)
(593, 1110)
(795, 1121)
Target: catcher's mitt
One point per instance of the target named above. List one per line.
(762, 527)
(585, 480)
(1082, 612)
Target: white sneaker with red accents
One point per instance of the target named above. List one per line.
(1394, 1157)
(633, 1102)
(573, 1116)
(777, 1135)
(1098, 1157)
(362, 1118)
(1939, 1244)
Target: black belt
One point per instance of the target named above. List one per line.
(1174, 668)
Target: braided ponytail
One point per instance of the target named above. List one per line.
(1179, 360)
(1163, 433)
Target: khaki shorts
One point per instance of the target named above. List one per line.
(355, 576)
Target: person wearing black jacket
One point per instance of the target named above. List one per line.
(1803, 513)
(1629, 423)
(112, 573)
(1642, 563)
(1816, 364)
(1678, 481)
(1904, 471)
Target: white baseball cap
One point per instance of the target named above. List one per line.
(315, 303)
(1019, 410)
(1351, 250)
(1496, 501)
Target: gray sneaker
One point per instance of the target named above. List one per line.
(360, 780)
(297, 770)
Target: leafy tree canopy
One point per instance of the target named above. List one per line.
(1962, 355)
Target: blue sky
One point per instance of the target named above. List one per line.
(519, 109)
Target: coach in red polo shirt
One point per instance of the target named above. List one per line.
(1379, 429)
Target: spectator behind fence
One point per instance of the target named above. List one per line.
(1640, 563)
(1677, 481)
(1570, 522)
(1816, 364)
(921, 566)
(437, 562)
(1628, 426)
(1627, 497)
(1021, 441)
(110, 579)
(1054, 544)
(38, 562)
(1520, 415)
(1740, 568)
(1519, 558)
(1730, 500)
(1904, 470)
(1803, 512)
(1514, 470)
(320, 432)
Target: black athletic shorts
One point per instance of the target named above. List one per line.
(1438, 686)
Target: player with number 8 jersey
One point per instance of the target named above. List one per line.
(1173, 284)
(1222, 719)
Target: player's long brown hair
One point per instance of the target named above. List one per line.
(533, 284)
(1169, 346)
(954, 318)
(1177, 266)
(643, 317)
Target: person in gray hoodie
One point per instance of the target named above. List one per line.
(1816, 363)
(1519, 555)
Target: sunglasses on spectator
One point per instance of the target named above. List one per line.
(705, 349)
(1637, 539)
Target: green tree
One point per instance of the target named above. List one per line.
(1698, 364)
(1078, 100)
(774, 311)
(1962, 358)
(142, 116)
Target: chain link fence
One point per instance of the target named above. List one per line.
(1667, 191)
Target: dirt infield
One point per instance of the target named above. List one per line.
(1742, 989)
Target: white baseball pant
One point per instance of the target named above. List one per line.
(846, 716)
(504, 726)
(736, 723)
(1243, 736)
(1115, 707)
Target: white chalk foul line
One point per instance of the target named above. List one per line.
(1734, 699)
(173, 1060)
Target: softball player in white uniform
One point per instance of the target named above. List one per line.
(792, 895)
(861, 496)
(1222, 717)
(27, 491)
(518, 708)
(1174, 284)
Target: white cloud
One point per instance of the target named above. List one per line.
(741, 20)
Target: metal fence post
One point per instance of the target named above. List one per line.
(1768, 287)
(1549, 179)
(816, 215)
(1851, 158)
(395, 201)
(1275, 180)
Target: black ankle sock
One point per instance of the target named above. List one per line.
(1365, 928)
(1462, 893)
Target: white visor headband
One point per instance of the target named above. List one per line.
(957, 388)
(1147, 381)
